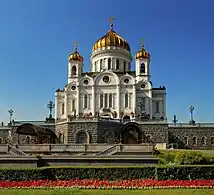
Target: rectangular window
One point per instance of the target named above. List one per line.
(106, 100)
(126, 100)
(101, 100)
(157, 107)
(110, 100)
(85, 101)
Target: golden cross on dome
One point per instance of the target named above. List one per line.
(75, 45)
(111, 19)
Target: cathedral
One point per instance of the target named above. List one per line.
(111, 90)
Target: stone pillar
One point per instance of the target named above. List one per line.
(104, 100)
(93, 101)
(56, 107)
(164, 106)
(150, 101)
(118, 101)
(112, 100)
(66, 104)
(113, 63)
(98, 100)
(134, 100)
(78, 101)
(107, 100)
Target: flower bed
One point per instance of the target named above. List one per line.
(105, 184)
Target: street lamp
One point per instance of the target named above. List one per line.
(50, 106)
(191, 109)
(10, 114)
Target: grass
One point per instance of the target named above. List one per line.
(106, 192)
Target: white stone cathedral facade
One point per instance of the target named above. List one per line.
(111, 89)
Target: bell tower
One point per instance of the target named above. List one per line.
(142, 64)
(75, 65)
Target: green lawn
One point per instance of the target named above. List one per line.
(107, 192)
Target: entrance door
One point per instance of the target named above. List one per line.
(129, 138)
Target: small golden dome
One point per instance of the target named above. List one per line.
(75, 56)
(142, 54)
(111, 39)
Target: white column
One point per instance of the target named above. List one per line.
(104, 100)
(118, 101)
(83, 102)
(164, 106)
(93, 101)
(108, 100)
(98, 99)
(78, 101)
(151, 114)
(88, 100)
(66, 103)
(112, 95)
(56, 108)
(134, 100)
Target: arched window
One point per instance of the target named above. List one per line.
(74, 70)
(101, 100)
(63, 108)
(186, 140)
(110, 100)
(212, 140)
(194, 140)
(109, 63)
(157, 107)
(73, 105)
(126, 100)
(124, 65)
(142, 68)
(101, 64)
(85, 101)
(203, 140)
(81, 138)
(106, 101)
(117, 64)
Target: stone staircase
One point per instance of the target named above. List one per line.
(109, 151)
(15, 151)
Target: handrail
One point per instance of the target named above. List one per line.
(107, 151)
(16, 150)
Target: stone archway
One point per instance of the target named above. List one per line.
(82, 137)
(131, 134)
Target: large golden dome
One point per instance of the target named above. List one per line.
(111, 39)
(142, 53)
(75, 56)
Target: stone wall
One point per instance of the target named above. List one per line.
(158, 133)
(77, 127)
(179, 135)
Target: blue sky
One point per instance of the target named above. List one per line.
(36, 37)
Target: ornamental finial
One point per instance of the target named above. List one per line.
(142, 43)
(75, 46)
(111, 19)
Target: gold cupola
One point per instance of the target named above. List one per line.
(111, 39)
(142, 53)
(75, 56)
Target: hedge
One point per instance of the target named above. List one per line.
(109, 173)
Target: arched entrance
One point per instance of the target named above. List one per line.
(131, 134)
(82, 138)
